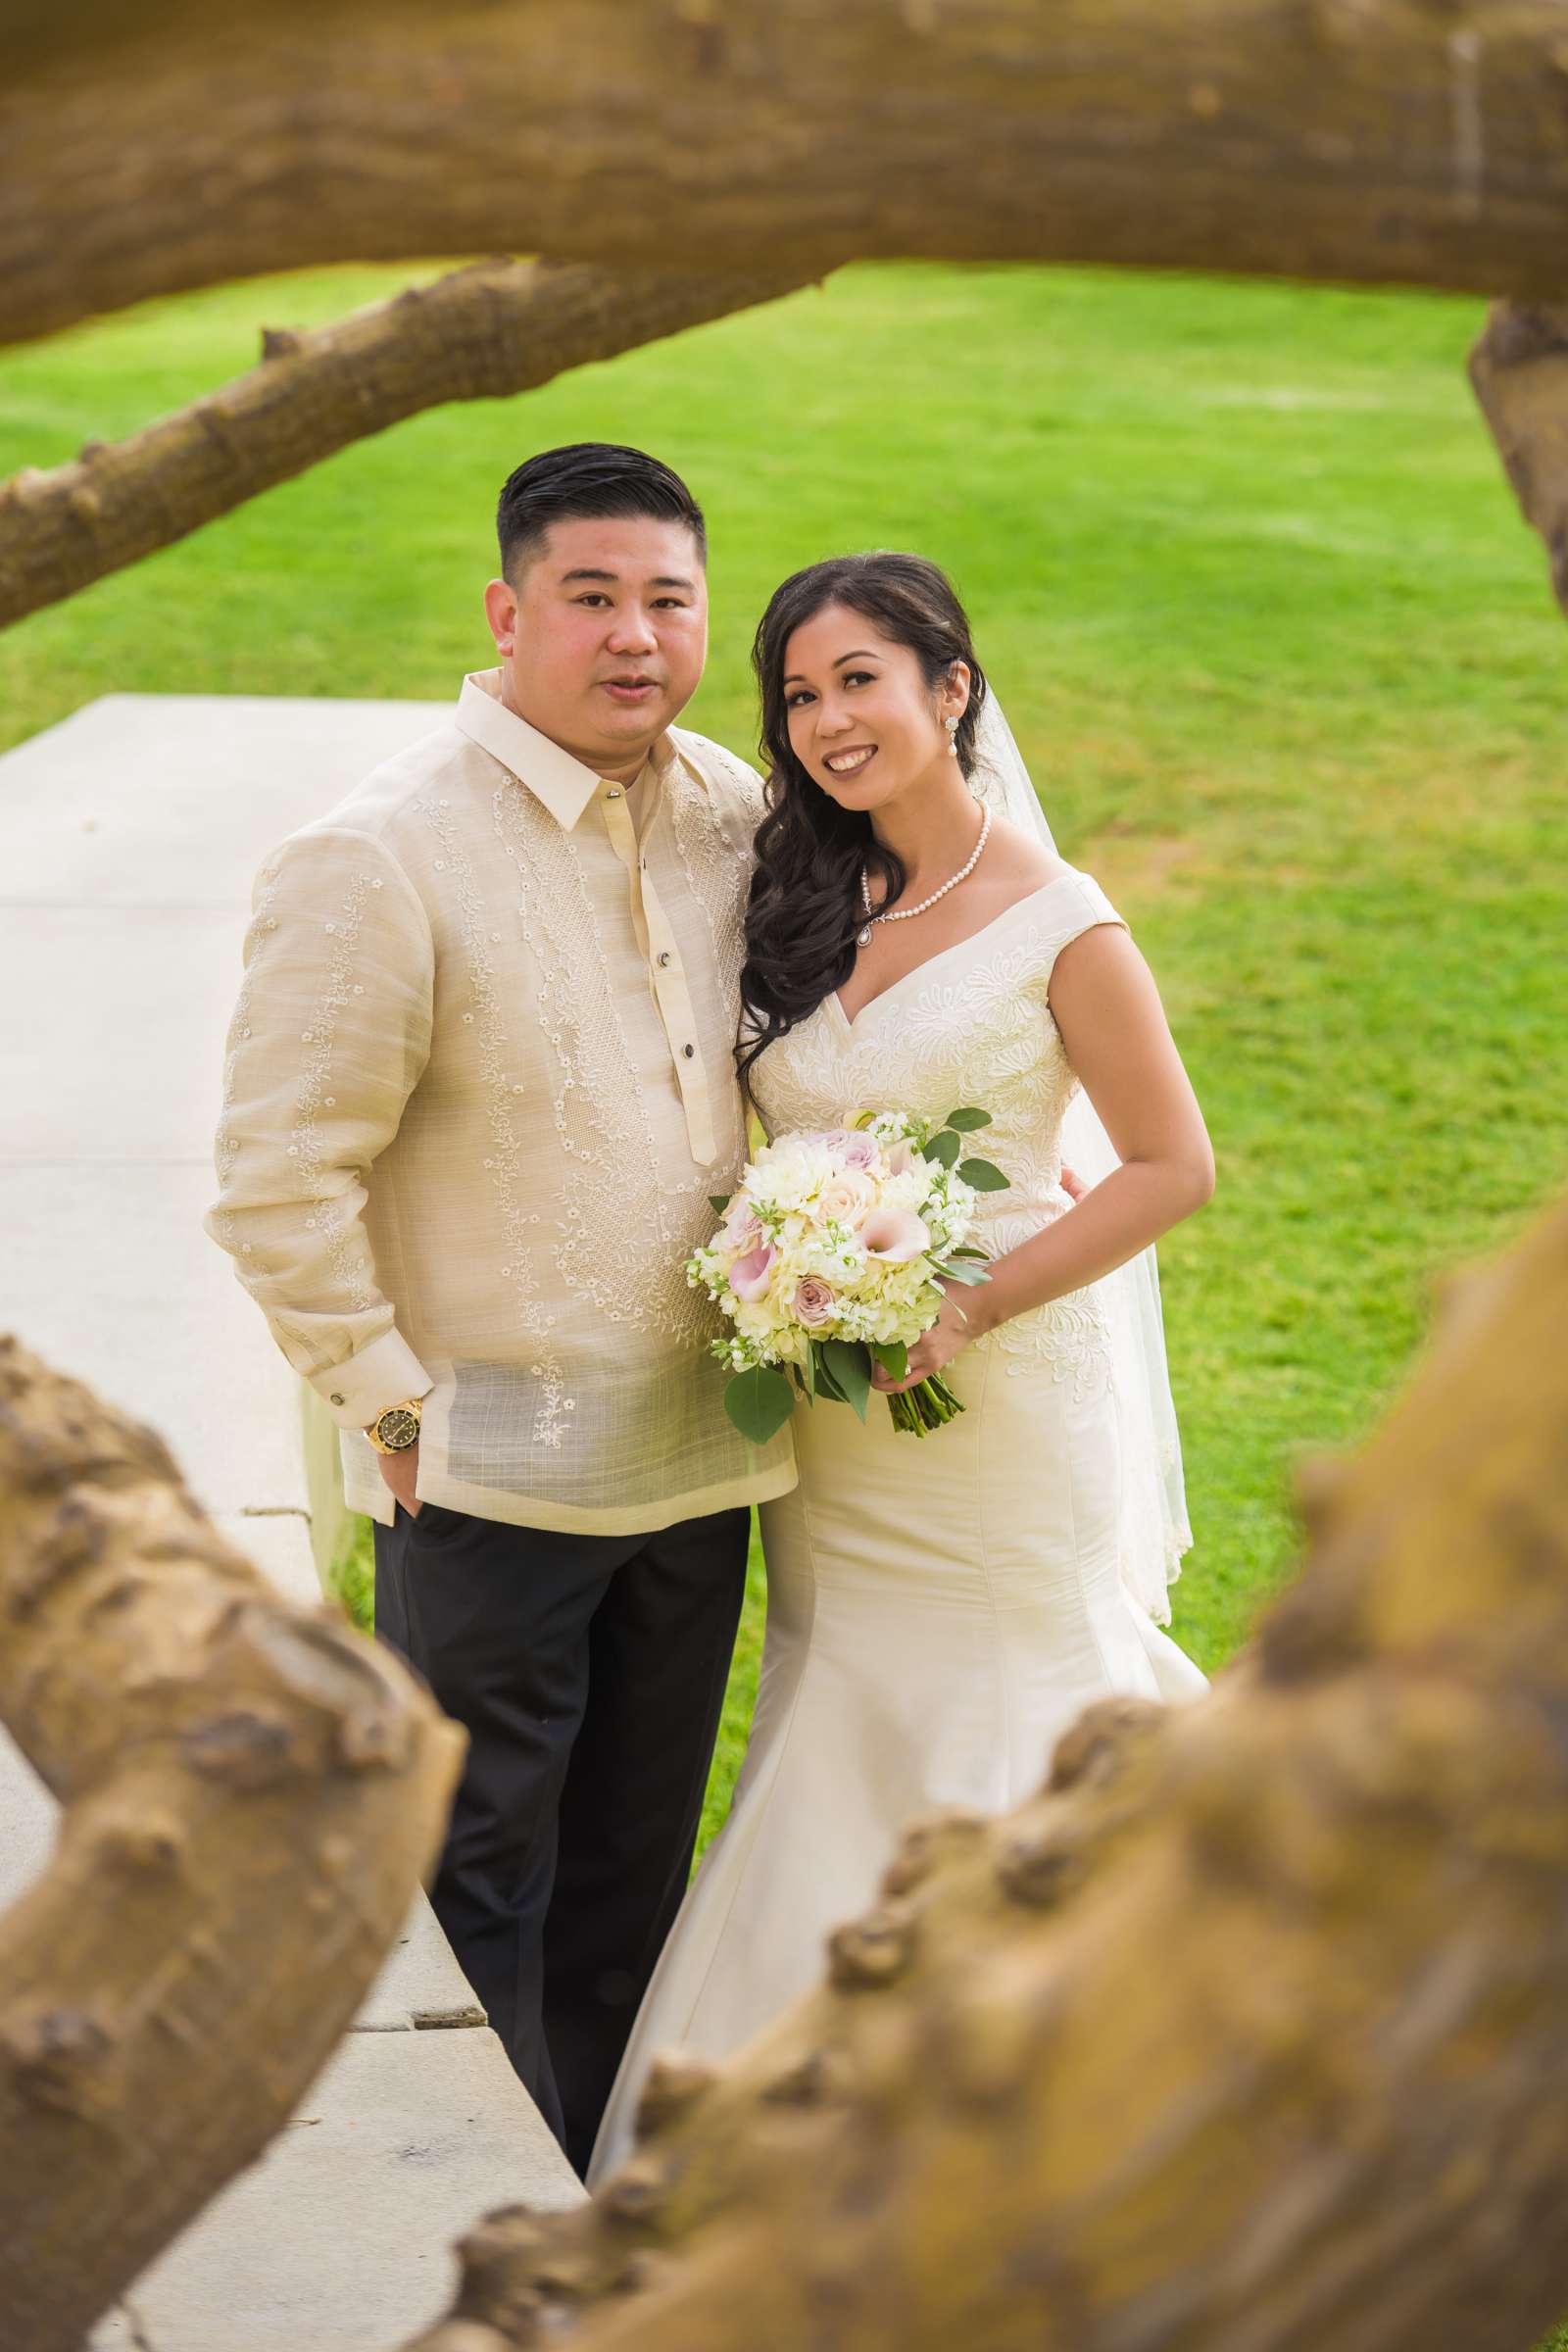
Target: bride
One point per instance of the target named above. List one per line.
(939, 1610)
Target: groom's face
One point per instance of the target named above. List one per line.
(603, 636)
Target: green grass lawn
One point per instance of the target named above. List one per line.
(1244, 567)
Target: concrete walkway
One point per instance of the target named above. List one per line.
(128, 839)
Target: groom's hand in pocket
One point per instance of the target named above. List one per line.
(401, 1470)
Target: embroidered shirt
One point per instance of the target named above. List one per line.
(481, 1087)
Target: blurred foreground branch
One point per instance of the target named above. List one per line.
(1250, 2035)
(1519, 369)
(762, 142)
(1379, 141)
(251, 1791)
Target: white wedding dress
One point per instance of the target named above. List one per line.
(939, 1609)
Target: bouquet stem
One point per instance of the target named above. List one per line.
(929, 1404)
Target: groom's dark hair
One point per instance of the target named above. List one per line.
(594, 478)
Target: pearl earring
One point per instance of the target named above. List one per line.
(951, 726)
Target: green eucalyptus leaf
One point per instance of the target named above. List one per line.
(719, 1203)
(944, 1148)
(892, 1356)
(758, 1403)
(826, 1385)
(966, 1121)
(955, 1271)
(983, 1176)
(851, 1366)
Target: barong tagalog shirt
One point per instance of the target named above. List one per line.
(481, 1087)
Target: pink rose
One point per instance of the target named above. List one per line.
(855, 1148)
(894, 1235)
(742, 1228)
(748, 1276)
(814, 1300)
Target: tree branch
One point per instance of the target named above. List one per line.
(251, 1791)
(1519, 369)
(481, 334)
(1422, 141)
(1250, 2033)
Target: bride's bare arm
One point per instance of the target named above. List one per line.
(1113, 1026)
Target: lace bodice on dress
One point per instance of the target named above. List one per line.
(970, 1025)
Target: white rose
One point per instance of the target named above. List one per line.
(846, 1198)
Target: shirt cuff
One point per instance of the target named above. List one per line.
(386, 1373)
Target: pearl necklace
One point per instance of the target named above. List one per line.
(904, 914)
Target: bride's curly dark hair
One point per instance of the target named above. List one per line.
(804, 906)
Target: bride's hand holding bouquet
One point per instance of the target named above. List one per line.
(963, 1318)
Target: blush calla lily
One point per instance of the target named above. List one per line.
(894, 1235)
(748, 1275)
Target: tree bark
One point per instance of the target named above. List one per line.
(1418, 141)
(481, 334)
(251, 1791)
(1250, 2035)
(1519, 369)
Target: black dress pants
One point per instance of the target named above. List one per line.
(589, 1674)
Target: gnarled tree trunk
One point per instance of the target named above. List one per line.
(761, 142)
(481, 334)
(1519, 369)
(251, 1791)
(1422, 141)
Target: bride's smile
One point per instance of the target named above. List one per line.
(864, 722)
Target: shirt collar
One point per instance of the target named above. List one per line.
(561, 783)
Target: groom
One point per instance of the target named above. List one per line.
(479, 1090)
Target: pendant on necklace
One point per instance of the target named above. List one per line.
(863, 938)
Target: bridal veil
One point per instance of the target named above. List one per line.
(1155, 1532)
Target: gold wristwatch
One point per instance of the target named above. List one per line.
(397, 1429)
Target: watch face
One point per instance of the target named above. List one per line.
(398, 1429)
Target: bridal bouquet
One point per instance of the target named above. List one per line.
(829, 1258)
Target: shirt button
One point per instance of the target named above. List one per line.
(664, 959)
(612, 794)
(337, 1399)
(688, 1050)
